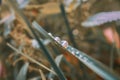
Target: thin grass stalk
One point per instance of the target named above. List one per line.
(0, 2)
(31, 59)
(112, 56)
(69, 31)
(16, 67)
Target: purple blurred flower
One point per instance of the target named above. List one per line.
(101, 18)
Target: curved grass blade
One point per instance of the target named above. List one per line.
(23, 72)
(57, 61)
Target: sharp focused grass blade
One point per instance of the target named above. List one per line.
(91, 63)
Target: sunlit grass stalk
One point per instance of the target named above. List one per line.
(31, 59)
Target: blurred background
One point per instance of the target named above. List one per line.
(102, 42)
